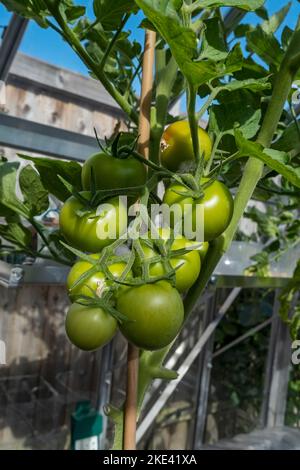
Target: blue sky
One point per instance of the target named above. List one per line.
(48, 46)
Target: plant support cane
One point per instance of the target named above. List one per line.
(130, 412)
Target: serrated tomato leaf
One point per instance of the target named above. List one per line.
(228, 117)
(248, 5)
(110, 12)
(274, 159)
(17, 234)
(50, 169)
(166, 18)
(8, 195)
(34, 193)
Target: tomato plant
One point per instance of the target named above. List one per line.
(155, 313)
(250, 149)
(89, 328)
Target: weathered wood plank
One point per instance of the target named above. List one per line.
(62, 83)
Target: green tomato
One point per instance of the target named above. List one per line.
(89, 328)
(187, 273)
(113, 173)
(95, 282)
(93, 230)
(177, 146)
(218, 207)
(155, 313)
(202, 250)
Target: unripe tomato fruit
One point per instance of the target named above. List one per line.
(218, 206)
(89, 328)
(95, 282)
(202, 250)
(89, 231)
(155, 313)
(112, 172)
(187, 274)
(177, 146)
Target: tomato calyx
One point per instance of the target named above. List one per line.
(160, 259)
(102, 264)
(117, 150)
(120, 146)
(105, 302)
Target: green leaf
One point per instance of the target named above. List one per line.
(274, 22)
(286, 300)
(110, 12)
(228, 117)
(17, 234)
(241, 30)
(286, 36)
(35, 195)
(7, 213)
(8, 181)
(262, 13)
(33, 9)
(50, 169)
(183, 43)
(55, 238)
(214, 45)
(74, 12)
(251, 84)
(249, 5)
(274, 159)
(250, 69)
(289, 139)
(295, 324)
(146, 24)
(265, 46)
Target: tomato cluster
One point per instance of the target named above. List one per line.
(139, 293)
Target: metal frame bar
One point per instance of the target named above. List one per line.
(204, 376)
(10, 43)
(30, 136)
(242, 338)
(277, 371)
(104, 389)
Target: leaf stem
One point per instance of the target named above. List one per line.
(165, 79)
(193, 121)
(208, 102)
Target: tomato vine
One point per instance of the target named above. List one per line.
(245, 102)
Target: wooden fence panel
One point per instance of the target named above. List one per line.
(44, 375)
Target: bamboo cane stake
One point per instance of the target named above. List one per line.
(130, 412)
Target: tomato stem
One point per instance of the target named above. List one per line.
(113, 41)
(193, 122)
(166, 73)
